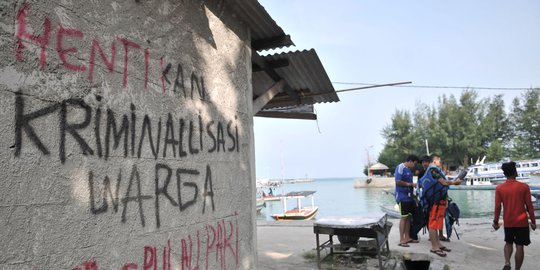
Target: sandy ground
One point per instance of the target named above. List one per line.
(284, 245)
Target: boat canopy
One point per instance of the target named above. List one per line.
(298, 194)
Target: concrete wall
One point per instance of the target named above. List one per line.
(125, 135)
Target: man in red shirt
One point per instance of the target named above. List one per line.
(516, 201)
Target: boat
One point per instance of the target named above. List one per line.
(488, 174)
(535, 197)
(535, 179)
(270, 198)
(298, 213)
(260, 203)
(391, 210)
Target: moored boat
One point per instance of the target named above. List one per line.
(298, 213)
(491, 173)
(391, 210)
(260, 203)
(535, 194)
(271, 198)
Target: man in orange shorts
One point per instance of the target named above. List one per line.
(436, 213)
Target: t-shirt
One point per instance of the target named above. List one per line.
(403, 194)
(514, 196)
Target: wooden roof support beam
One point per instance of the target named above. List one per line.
(263, 99)
(279, 102)
(263, 65)
(287, 115)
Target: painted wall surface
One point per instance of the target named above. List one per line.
(125, 136)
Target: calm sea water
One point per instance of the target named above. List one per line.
(338, 197)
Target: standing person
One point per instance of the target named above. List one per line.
(425, 161)
(515, 198)
(438, 202)
(417, 220)
(404, 197)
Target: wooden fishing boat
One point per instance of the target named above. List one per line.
(271, 198)
(298, 213)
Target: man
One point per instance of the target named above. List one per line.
(425, 160)
(515, 198)
(417, 220)
(404, 197)
(438, 207)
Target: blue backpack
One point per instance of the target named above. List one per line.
(430, 190)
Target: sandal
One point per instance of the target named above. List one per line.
(445, 249)
(439, 252)
(403, 245)
(413, 241)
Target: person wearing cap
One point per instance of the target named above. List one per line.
(515, 198)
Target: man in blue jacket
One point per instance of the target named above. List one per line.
(405, 197)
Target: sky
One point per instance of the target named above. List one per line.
(482, 43)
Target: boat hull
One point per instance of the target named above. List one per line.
(260, 204)
(272, 198)
(303, 214)
(391, 210)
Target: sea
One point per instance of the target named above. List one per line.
(338, 197)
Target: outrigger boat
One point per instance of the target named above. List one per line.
(298, 213)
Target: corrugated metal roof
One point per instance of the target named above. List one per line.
(306, 81)
(265, 32)
(305, 75)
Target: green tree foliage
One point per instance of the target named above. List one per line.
(525, 125)
(399, 136)
(466, 128)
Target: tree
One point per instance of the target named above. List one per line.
(466, 128)
(526, 125)
(495, 129)
(399, 138)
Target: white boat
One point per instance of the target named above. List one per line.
(298, 213)
(535, 179)
(535, 197)
(391, 210)
(491, 173)
(260, 203)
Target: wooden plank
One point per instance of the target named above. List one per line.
(263, 99)
(286, 115)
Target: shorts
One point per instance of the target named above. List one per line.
(436, 216)
(518, 235)
(406, 209)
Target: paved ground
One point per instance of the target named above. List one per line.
(286, 245)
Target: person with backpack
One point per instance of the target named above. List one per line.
(404, 197)
(434, 199)
(417, 219)
(515, 198)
